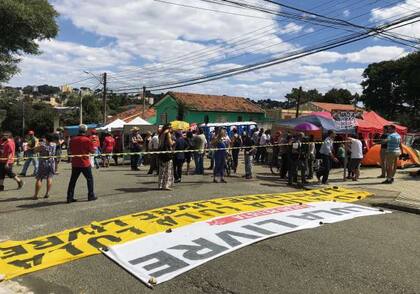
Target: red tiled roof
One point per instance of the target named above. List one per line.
(334, 106)
(202, 102)
(132, 113)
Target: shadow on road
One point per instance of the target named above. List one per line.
(137, 190)
(41, 204)
(15, 199)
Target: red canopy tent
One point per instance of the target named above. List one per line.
(374, 123)
(371, 125)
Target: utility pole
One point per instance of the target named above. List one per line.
(298, 102)
(104, 97)
(81, 107)
(144, 101)
(23, 117)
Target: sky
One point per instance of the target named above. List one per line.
(147, 43)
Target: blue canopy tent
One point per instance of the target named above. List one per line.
(74, 130)
(321, 122)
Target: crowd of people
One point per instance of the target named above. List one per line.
(299, 157)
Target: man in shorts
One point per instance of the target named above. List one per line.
(356, 150)
(7, 159)
(393, 152)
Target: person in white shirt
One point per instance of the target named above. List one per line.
(264, 140)
(154, 146)
(327, 156)
(356, 149)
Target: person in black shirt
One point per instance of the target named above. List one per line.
(297, 155)
(179, 157)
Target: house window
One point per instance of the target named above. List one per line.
(163, 118)
(240, 118)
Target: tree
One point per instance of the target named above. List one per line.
(22, 23)
(341, 96)
(306, 96)
(91, 109)
(392, 88)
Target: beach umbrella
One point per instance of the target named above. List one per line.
(180, 125)
(305, 127)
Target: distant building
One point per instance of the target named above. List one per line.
(66, 89)
(323, 106)
(280, 113)
(199, 108)
(133, 112)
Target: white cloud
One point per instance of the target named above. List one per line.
(346, 13)
(154, 33)
(404, 8)
(375, 54)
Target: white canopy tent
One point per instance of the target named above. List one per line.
(138, 121)
(117, 124)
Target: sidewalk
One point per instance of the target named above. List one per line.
(404, 194)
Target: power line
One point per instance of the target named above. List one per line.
(336, 43)
(213, 10)
(190, 60)
(128, 88)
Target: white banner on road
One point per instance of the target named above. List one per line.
(163, 256)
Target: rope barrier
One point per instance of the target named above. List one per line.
(171, 151)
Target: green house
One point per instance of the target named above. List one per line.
(201, 108)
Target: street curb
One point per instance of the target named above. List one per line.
(397, 205)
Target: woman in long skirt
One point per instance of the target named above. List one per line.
(166, 177)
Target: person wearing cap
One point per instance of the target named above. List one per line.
(32, 142)
(7, 159)
(97, 145)
(136, 142)
(81, 146)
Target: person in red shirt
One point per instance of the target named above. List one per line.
(81, 146)
(97, 145)
(107, 147)
(7, 159)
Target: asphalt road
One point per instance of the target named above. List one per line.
(377, 254)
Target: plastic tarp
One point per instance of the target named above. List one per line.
(320, 121)
(373, 157)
